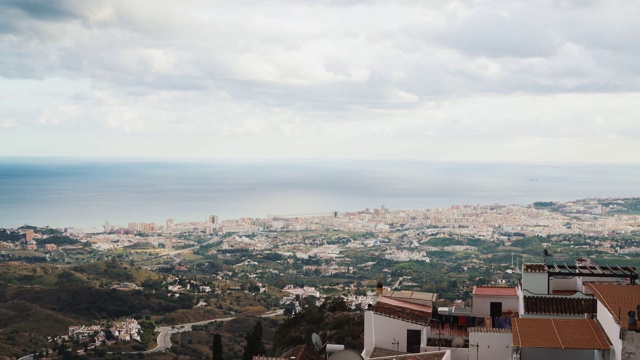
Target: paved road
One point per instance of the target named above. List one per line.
(164, 338)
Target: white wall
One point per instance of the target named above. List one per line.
(631, 345)
(481, 304)
(456, 353)
(535, 282)
(490, 346)
(558, 354)
(520, 300)
(369, 334)
(612, 329)
(380, 331)
(572, 283)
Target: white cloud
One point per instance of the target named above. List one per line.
(398, 95)
(59, 114)
(412, 79)
(7, 124)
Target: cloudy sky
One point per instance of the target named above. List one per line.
(443, 80)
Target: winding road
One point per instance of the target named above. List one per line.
(164, 338)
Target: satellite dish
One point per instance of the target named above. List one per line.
(457, 342)
(346, 355)
(317, 342)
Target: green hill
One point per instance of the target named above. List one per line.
(40, 300)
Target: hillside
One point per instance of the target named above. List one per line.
(99, 274)
(17, 320)
(197, 344)
(40, 300)
(333, 321)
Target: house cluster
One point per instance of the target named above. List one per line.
(29, 243)
(176, 285)
(125, 330)
(564, 312)
(298, 293)
(301, 292)
(405, 255)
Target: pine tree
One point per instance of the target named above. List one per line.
(254, 346)
(216, 348)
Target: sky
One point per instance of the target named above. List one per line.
(502, 80)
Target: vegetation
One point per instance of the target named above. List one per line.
(58, 240)
(255, 346)
(74, 286)
(216, 348)
(333, 321)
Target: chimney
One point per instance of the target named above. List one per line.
(379, 288)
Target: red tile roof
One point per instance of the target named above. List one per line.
(554, 305)
(535, 268)
(558, 334)
(411, 295)
(494, 291)
(618, 299)
(403, 309)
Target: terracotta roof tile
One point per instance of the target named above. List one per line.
(413, 295)
(553, 305)
(535, 268)
(495, 291)
(403, 309)
(618, 299)
(559, 334)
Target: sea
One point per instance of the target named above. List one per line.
(84, 193)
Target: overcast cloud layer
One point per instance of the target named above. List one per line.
(443, 80)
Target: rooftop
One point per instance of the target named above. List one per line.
(556, 305)
(618, 299)
(494, 291)
(410, 295)
(535, 268)
(558, 334)
(584, 267)
(405, 310)
(381, 354)
(300, 352)
(594, 270)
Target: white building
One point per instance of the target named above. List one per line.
(398, 325)
(615, 304)
(494, 301)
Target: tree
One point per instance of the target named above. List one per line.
(216, 348)
(289, 309)
(254, 346)
(280, 283)
(335, 304)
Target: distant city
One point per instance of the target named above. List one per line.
(594, 217)
(457, 275)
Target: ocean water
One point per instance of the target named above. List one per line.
(84, 193)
